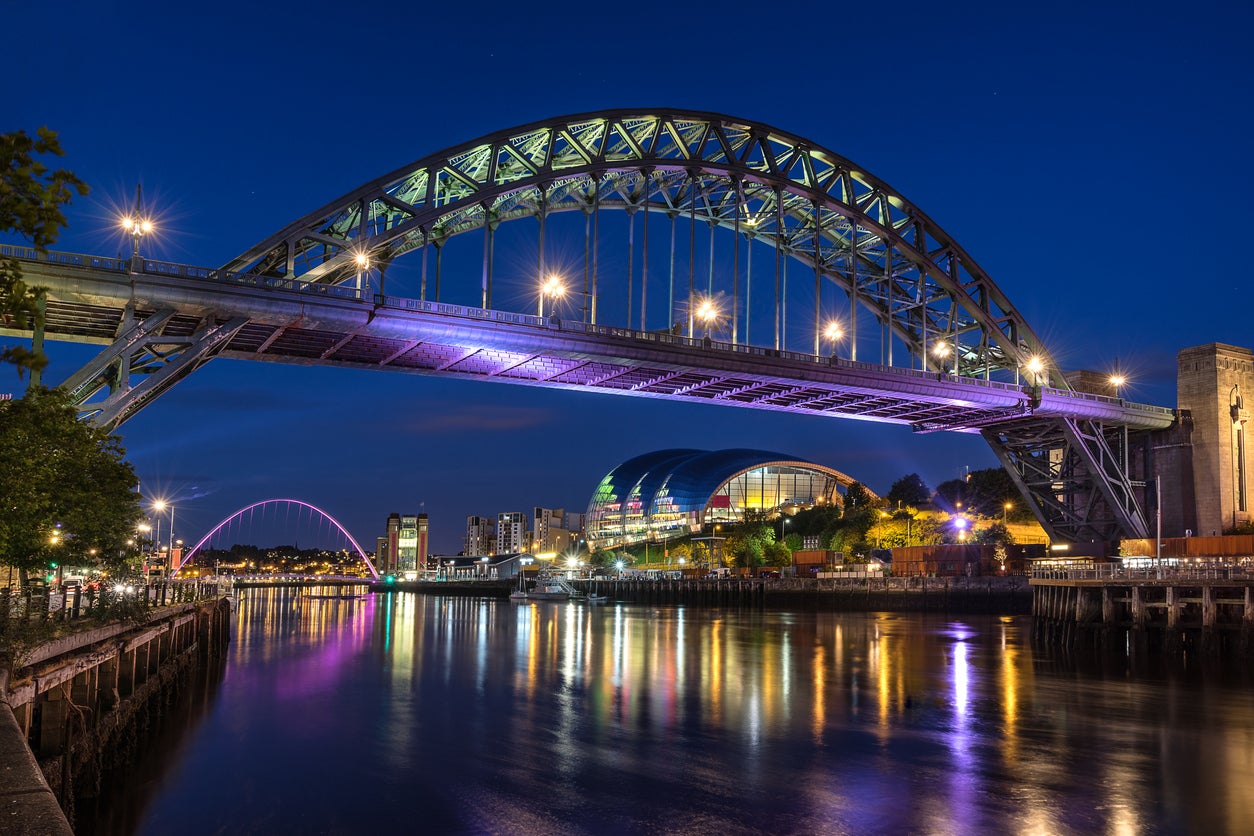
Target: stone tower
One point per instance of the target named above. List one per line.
(1214, 382)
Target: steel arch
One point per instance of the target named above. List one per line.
(192, 551)
(806, 201)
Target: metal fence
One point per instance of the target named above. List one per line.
(1115, 572)
(120, 600)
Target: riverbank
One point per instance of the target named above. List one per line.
(1009, 595)
(75, 703)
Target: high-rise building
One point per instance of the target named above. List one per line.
(544, 521)
(511, 532)
(405, 546)
(555, 530)
(389, 557)
(480, 536)
(381, 552)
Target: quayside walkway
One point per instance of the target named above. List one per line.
(1206, 609)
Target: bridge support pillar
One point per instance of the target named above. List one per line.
(52, 720)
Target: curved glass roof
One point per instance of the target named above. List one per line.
(671, 489)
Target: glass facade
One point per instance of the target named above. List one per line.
(670, 493)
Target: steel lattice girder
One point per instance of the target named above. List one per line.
(789, 193)
(142, 364)
(1070, 472)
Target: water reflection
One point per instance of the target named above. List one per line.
(342, 715)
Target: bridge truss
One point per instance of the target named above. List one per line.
(966, 360)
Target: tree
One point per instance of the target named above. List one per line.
(995, 534)
(908, 490)
(777, 554)
(31, 198)
(61, 477)
(857, 498)
(984, 493)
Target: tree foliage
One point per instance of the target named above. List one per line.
(59, 471)
(31, 198)
(984, 493)
(909, 490)
(857, 499)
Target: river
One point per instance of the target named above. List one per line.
(421, 714)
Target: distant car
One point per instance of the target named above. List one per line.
(768, 573)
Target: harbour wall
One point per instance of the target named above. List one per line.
(71, 707)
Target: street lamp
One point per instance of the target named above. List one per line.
(1005, 509)
(136, 224)
(707, 312)
(1116, 381)
(363, 272)
(554, 289)
(832, 334)
(159, 505)
(1035, 365)
(960, 523)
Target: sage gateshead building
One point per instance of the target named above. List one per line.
(671, 493)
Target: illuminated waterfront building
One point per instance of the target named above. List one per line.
(555, 529)
(511, 532)
(480, 536)
(671, 493)
(404, 547)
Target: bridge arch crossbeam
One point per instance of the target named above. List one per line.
(772, 187)
(240, 513)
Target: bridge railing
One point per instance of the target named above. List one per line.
(120, 601)
(184, 271)
(1115, 572)
(180, 271)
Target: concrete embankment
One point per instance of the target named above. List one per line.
(999, 595)
(27, 805)
(74, 700)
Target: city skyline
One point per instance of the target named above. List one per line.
(1055, 149)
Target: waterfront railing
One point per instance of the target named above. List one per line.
(1115, 572)
(120, 600)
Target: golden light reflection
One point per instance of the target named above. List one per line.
(818, 719)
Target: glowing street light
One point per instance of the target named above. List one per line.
(1035, 365)
(136, 224)
(1117, 380)
(553, 288)
(159, 505)
(362, 260)
(707, 312)
(1005, 509)
(833, 334)
(960, 523)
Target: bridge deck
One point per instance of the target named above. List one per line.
(316, 324)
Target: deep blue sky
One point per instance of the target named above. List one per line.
(1095, 161)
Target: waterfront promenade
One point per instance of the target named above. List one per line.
(1208, 609)
(1009, 595)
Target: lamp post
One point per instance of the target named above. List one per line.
(1117, 381)
(554, 289)
(1036, 365)
(137, 225)
(832, 333)
(707, 312)
(363, 273)
(1005, 509)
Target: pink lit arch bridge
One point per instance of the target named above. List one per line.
(274, 505)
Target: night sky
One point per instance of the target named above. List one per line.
(1095, 161)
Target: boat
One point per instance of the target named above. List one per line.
(595, 599)
(547, 588)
